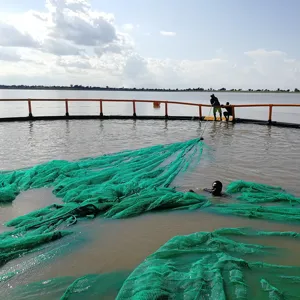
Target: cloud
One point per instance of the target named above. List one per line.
(74, 63)
(76, 22)
(41, 16)
(112, 48)
(70, 42)
(123, 46)
(128, 27)
(167, 33)
(264, 53)
(11, 37)
(60, 47)
(9, 55)
(273, 68)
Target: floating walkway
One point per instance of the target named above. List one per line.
(156, 105)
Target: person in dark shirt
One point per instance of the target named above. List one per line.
(216, 189)
(228, 113)
(214, 101)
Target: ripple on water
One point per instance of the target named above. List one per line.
(249, 152)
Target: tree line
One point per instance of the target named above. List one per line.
(108, 88)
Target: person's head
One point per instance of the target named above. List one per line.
(212, 96)
(217, 187)
(227, 103)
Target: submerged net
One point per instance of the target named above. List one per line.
(114, 186)
(91, 286)
(210, 265)
(126, 184)
(287, 208)
(205, 265)
(253, 192)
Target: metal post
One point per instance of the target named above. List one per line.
(166, 110)
(270, 113)
(233, 114)
(29, 109)
(67, 108)
(200, 112)
(101, 109)
(134, 108)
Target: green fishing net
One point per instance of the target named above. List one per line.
(130, 183)
(253, 192)
(91, 286)
(114, 186)
(204, 265)
(211, 265)
(274, 203)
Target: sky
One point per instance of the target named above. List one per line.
(151, 43)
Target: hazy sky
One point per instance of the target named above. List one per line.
(151, 43)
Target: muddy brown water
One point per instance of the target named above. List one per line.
(248, 152)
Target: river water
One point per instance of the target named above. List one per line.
(250, 152)
(17, 109)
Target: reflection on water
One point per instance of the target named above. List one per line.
(241, 151)
(248, 152)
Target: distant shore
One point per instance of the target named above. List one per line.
(123, 89)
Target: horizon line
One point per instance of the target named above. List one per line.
(87, 87)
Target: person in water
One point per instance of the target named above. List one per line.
(214, 101)
(227, 113)
(216, 189)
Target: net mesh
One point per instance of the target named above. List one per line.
(253, 192)
(211, 265)
(260, 201)
(204, 265)
(114, 186)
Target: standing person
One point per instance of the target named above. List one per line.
(214, 101)
(228, 113)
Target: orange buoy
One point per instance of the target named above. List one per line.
(156, 104)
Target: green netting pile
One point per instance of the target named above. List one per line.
(91, 286)
(210, 265)
(253, 192)
(205, 265)
(120, 185)
(250, 194)
(130, 183)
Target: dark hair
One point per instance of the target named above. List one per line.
(217, 185)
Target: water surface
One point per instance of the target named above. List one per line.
(239, 151)
(286, 114)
